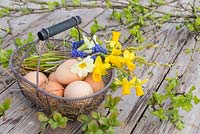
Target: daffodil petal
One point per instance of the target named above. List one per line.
(115, 36)
(125, 87)
(131, 66)
(139, 91)
(144, 81)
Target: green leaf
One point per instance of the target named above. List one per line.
(96, 115)
(192, 89)
(93, 126)
(187, 50)
(110, 130)
(74, 33)
(52, 5)
(2, 111)
(42, 117)
(43, 125)
(54, 125)
(116, 100)
(117, 15)
(174, 115)
(108, 4)
(159, 98)
(180, 125)
(1, 40)
(84, 127)
(50, 121)
(197, 21)
(135, 30)
(6, 104)
(160, 113)
(5, 57)
(172, 84)
(63, 122)
(76, 2)
(95, 27)
(196, 100)
(4, 12)
(30, 38)
(99, 131)
(113, 121)
(26, 11)
(83, 118)
(19, 42)
(104, 121)
(57, 117)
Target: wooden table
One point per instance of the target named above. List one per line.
(22, 119)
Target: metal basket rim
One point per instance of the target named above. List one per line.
(11, 61)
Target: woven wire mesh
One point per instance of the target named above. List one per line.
(70, 107)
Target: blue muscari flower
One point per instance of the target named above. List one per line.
(77, 44)
(77, 53)
(94, 57)
(97, 48)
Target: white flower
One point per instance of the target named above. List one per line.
(82, 68)
(89, 44)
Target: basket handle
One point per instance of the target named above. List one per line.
(45, 33)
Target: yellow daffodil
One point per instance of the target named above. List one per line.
(114, 43)
(126, 87)
(128, 59)
(116, 52)
(114, 58)
(99, 69)
(137, 83)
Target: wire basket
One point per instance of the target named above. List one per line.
(47, 102)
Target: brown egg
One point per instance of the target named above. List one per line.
(52, 76)
(96, 86)
(55, 88)
(78, 89)
(31, 76)
(63, 73)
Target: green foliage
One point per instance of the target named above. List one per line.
(4, 12)
(111, 102)
(76, 2)
(117, 15)
(52, 5)
(74, 33)
(55, 121)
(177, 101)
(108, 3)
(26, 11)
(21, 42)
(5, 57)
(187, 50)
(99, 124)
(95, 27)
(5, 106)
(1, 40)
(96, 123)
(157, 2)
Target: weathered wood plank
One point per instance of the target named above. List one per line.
(189, 70)
(132, 106)
(20, 111)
